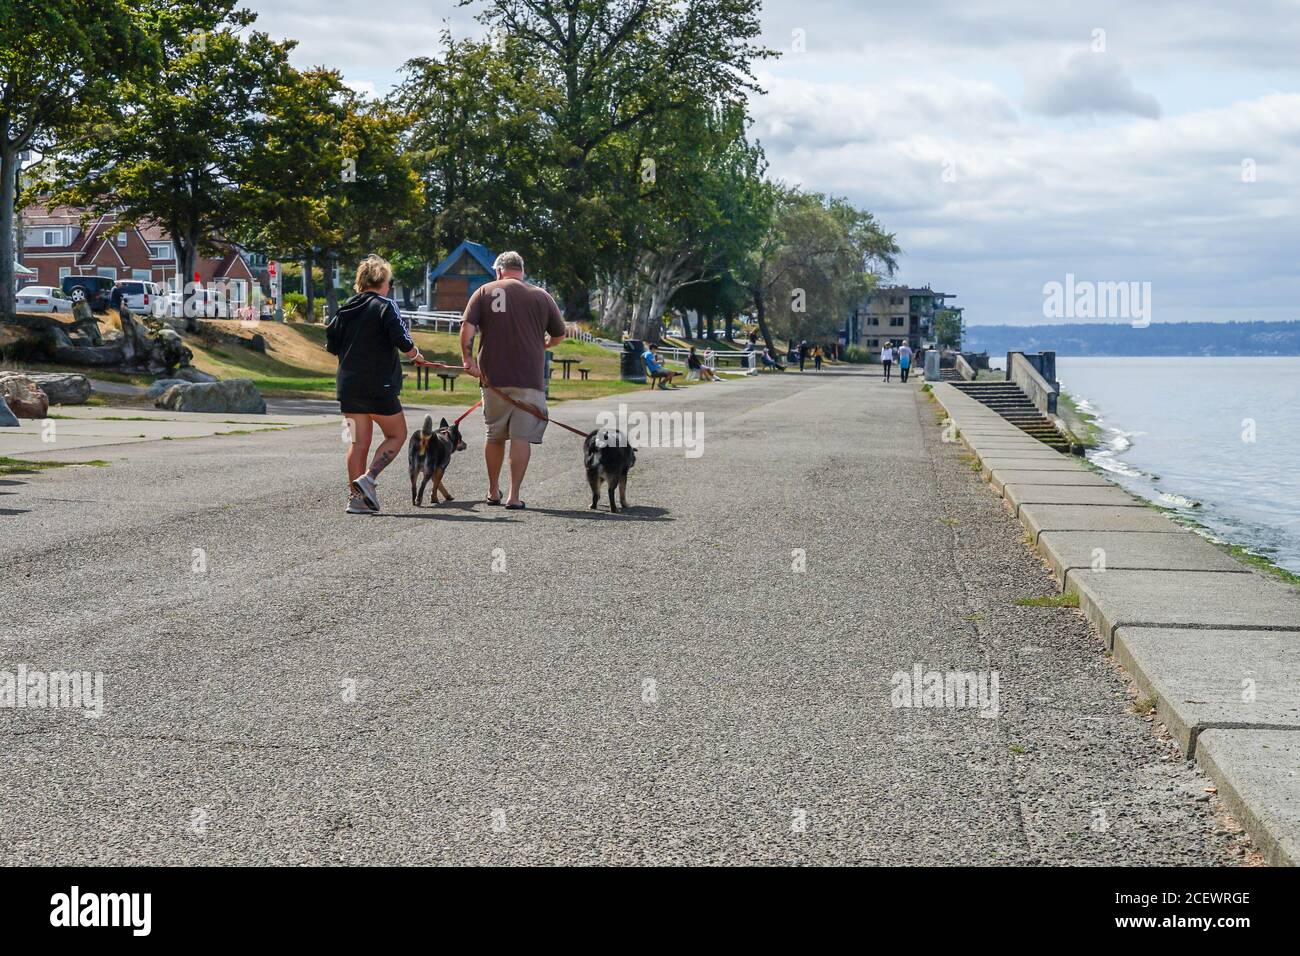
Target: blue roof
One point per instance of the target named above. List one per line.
(480, 253)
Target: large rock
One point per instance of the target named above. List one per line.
(233, 395)
(188, 373)
(161, 385)
(62, 388)
(25, 398)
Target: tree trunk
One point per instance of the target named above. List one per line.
(760, 314)
(331, 290)
(8, 184)
(309, 286)
(189, 256)
(577, 304)
(731, 332)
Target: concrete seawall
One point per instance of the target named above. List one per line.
(1215, 644)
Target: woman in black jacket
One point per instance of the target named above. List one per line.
(367, 334)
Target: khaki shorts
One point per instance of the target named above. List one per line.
(504, 421)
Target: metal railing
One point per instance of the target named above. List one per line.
(437, 321)
(747, 360)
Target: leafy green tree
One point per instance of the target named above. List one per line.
(948, 328)
(814, 257)
(477, 140)
(61, 64)
(375, 190)
(720, 298)
(691, 217)
(288, 176)
(176, 156)
(607, 69)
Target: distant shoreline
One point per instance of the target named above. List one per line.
(1157, 340)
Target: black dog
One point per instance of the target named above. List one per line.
(608, 457)
(430, 453)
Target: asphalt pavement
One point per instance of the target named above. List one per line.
(710, 677)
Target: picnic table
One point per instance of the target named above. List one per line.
(566, 362)
(422, 378)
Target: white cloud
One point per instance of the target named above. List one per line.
(1088, 82)
(1117, 166)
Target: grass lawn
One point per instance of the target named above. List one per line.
(296, 365)
(18, 466)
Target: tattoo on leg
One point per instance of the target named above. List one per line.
(380, 463)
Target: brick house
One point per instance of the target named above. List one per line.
(56, 244)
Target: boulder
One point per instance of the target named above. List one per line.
(188, 373)
(7, 418)
(25, 398)
(62, 388)
(21, 344)
(161, 385)
(237, 395)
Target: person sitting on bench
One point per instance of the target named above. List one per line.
(656, 371)
(696, 369)
(770, 361)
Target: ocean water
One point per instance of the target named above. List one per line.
(1217, 439)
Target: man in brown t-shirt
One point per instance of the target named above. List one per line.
(519, 322)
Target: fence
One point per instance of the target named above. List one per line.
(747, 360)
(435, 321)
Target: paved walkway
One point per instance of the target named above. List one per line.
(284, 683)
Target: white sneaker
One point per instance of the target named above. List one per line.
(357, 506)
(364, 488)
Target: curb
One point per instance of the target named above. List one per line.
(1216, 645)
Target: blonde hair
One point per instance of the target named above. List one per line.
(374, 272)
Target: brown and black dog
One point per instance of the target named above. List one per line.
(430, 453)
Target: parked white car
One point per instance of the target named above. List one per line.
(143, 298)
(42, 298)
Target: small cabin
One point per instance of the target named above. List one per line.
(456, 277)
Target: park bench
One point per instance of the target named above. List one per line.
(584, 372)
(654, 377)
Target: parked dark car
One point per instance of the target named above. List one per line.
(94, 289)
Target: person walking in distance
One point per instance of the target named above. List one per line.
(518, 323)
(887, 358)
(904, 361)
(367, 334)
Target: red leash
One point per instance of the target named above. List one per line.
(526, 406)
(467, 411)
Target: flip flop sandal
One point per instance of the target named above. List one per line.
(494, 501)
(519, 507)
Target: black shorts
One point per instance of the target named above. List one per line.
(370, 405)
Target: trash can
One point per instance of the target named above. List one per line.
(932, 372)
(631, 368)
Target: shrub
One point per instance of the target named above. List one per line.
(295, 304)
(857, 355)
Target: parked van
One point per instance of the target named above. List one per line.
(148, 298)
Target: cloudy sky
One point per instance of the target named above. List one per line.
(1007, 144)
